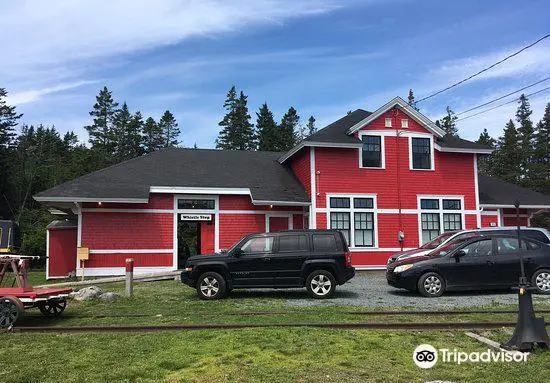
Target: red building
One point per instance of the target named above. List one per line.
(389, 180)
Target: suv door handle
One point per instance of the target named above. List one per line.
(267, 259)
(490, 263)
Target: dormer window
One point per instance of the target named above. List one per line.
(405, 123)
(388, 122)
(372, 152)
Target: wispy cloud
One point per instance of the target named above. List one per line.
(27, 96)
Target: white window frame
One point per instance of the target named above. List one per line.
(439, 211)
(352, 210)
(388, 122)
(405, 123)
(432, 154)
(382, 150)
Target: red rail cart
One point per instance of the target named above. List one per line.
(20, 295)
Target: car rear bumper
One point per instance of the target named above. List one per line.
(349, 272)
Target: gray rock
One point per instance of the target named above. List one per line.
(109, 297)
(87, 293)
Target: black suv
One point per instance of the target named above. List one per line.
(315, 259)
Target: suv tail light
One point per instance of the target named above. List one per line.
(348, 258)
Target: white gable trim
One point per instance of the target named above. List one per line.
(419, 117)
(462, 150)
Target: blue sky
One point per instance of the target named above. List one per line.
(324, 57)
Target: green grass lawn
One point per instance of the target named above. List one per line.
(296, 354)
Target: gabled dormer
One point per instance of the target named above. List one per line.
(365, 131)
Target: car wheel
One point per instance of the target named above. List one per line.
(541, 280)
(211, 285)
(431, 285)
(320, 284)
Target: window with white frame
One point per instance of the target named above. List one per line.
(387, 122)
(404, 123)
(421, 153)
(372, 152)
(355, 218)
(438, 215)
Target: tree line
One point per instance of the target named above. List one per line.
(39, 157)
(238, 133)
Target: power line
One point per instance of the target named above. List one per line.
(503, 104)
(483, 70)
(501, 97)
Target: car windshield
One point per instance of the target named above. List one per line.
(447, 248)
(437, 241)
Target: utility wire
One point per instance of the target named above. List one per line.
(503, 104)
(501, 97)
(483, 70)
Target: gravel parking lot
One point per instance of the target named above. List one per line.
(369, 289)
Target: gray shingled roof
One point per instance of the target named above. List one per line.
(336, 133)
(493, 191)
(200, 168)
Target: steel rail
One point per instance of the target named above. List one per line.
(267, 313)
(344, 326)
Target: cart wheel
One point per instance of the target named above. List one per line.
(53, 308)
(11, 309)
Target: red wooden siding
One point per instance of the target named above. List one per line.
(487, 220)
(340, 173)
(62, 251)
(235, 226)
(396, 116)
(127, 230)
(140, 260)
(301, 167)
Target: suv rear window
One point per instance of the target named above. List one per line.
(292, 243)
(324, 242)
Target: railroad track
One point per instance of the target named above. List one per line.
(346, 326)
(287, 313)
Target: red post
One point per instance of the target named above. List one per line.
(129, 276)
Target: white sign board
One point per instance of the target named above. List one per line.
(196, 217)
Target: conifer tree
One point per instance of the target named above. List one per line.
(152, 136)
(267, 129)
(525, 139)
(311, 126)
(103, 113)
(448, 123)
(411, 101)
(119, 131)
(287, 130)
(170, 129)
(485, 163)
(237, 131)
(507, 159)
(8, 120)
(541, 154)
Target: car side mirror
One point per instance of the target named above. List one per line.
(459, 254)
(238, 252)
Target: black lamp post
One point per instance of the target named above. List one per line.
(530, 331)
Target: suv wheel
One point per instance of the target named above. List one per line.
(320, 284)
(211, 285)
(431, 285)
(541, 280)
